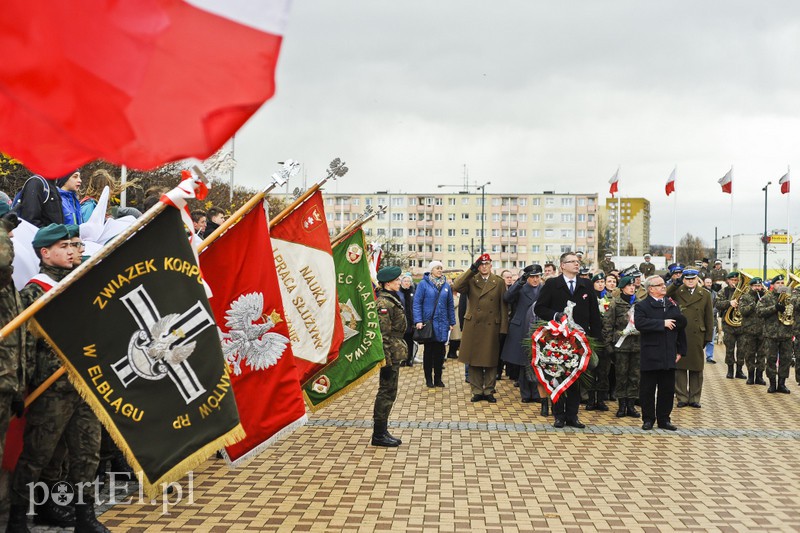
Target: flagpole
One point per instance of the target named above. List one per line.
(336, 170)
(84, 267)
(675, 227)
(353, 227)
(730, 250)
(788, 221)
(278, 179)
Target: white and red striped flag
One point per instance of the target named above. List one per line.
(670, 187)
(785, 182)
(726, 182)
(614, 181)
(304, 260)
(135, 83)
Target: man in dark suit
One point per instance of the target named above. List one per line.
(662, 341)
(555, 294)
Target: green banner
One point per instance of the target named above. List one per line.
(362, 350)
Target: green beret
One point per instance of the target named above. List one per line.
(49, 235)
(777, 278)
(4, 208)
(389, 273)
(625, 281)
(756, 281)
(599, 276)
(73, 229)
(732, 275)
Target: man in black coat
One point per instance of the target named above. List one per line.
(555, 294)
(662, 330)
(522, 294)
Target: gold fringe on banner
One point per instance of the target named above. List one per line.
(335, 396)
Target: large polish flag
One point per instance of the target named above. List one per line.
(614, 181)
(726, 182)
(785, 183)
(670, 187)
(139, 83)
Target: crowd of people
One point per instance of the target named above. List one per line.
(653, 334)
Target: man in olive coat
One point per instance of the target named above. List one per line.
(695, 304)
(486, 318)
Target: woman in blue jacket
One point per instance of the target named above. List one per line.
(70, 203)
(432, 289)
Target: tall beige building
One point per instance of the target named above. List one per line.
(634, 225)
(517, 229)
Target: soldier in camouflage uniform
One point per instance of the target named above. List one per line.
(393, 326)
(730, 333)
(12, 347)
(796, 343)
(626, 365)
(752, 332)
(59, 410)
(777, 335)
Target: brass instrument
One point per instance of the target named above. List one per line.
(732, 316)
(787, 316)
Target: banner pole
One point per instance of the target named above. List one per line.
(350, 230)
(336, 170)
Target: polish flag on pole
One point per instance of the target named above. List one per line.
(613, 181)
(784, 181)
(726, 182)
(134, 83)
(670, 188)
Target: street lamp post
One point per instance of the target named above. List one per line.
(483, 204)
(765, 239)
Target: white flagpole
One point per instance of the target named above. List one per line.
(675, 217)
(788, 220)
(730, 251)
(619, 211)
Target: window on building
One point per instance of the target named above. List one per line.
(566, 248)
(581, 233)
(581, 218)
(535, 233)
(398, 201)
(412, 217)
(451, 201)
(522, 232)
(535, 248)
(465, 200)
(437, 247)
(536, 201)
(437, 233)
(381, 232)
(382, 200)
(451, 217)
(591, 218)
(398, 217)
(464, 232)
(548, 202)
(522, 249)
(451, 247)
(412, 201)
(479, 233)
(566, 202)
(549, 217)
(397, 232)
(398, 248)
(566, 233)
(495, 233)
(368, 201)
(523, 202)
(495, 248)
(496, 217)
(439, 201)
(464, 216)
(451, 232)
(581, 202)
(549, 233)
(548, 248)
(523, 217)
(536, 217)
(368, 232)
(464, 263)
(412, 247)
(381, 216)
(356, 201)
(567, 217)
(412, 232)
(464, 248)
(437, 216)
(497, 201)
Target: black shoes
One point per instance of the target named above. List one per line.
(760, 377)
(623, 407)
(751, 376)
(438, 383)
(773, 387)
(739, 373)
(782, 386)
(694, 404)
(683, 404)
(51, 514)
(601, 405)
(545, 407)
(575, 424)
(729, 375)
(666, 425)
(476, 398)
(490, 398)
(631, 409)
(591, 403)
(385, 440)
(559, 423)
(647, 425)
(85, 519)
(525, 400)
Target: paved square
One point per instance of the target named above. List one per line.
(502, 467)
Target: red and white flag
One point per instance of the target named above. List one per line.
(726, 182)
(785, 182)
(254, 334)
(613, 181)
(135, 83)
(304, 262)
(670, 187)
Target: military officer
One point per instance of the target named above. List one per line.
(695, 305)
(752, 333)
(59, 411)
(674, 273)
(607, 265)
(647, 268)
(725, 301)
(777, 333)
(392, 318)
(718, 274)
(579, 253)
(702, 271)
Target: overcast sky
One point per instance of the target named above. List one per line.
(535, 95)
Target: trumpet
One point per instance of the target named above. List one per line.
(732, 316)
(787, 316)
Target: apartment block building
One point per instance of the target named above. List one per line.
(634, 234)
(517, 229)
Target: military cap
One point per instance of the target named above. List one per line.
(49, 235)
(73, 229)
(690, 273)
(4, 208)
(624, 282)
(599, 276)
(777, 278)
(677, 267)
(718, 261)
(705, 260)
(732, 275)
(635, 274)
(579, 252)
(608, 254)
(533, 270)
(756, 280)
(389, 273)
(485, 258)
(583, 271)
(647, 256)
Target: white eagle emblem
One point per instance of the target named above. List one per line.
(248, 339)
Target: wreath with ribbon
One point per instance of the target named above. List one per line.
(561, 353)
